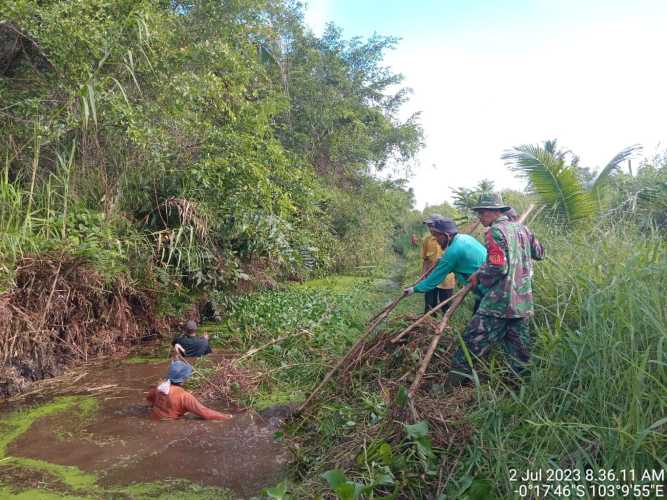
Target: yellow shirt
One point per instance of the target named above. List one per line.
(430, 253)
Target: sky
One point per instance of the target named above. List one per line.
(489, 75)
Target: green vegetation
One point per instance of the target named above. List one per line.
(320, 319)
(198, 143)
(594, 397)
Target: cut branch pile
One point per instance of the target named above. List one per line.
(62, 311)
(228, 383)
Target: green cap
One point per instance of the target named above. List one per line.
(491, 201)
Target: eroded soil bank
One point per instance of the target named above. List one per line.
(90, 436)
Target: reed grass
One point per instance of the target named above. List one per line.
(596, 394)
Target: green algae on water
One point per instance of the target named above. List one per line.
(17, 423)
(20, 421)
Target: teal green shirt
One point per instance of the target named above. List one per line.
(463, 256)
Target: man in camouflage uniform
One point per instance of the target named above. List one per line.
(505, 281)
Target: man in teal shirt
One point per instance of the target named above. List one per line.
(463, 256)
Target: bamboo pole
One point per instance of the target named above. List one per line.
(436, 339)
(370, 329)
(424, 316)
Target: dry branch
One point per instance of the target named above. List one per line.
(352, 353)
(61, 310)
(424, 316)
(436, 338)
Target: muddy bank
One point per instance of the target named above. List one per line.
(62, 312)
(104, 433)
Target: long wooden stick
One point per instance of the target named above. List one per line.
(255, 350)
(389, 306)
(526, 213)
(423, 317)
(395, 302)
(370, 329)
(438, 307)
(436, 338)
(374, 322)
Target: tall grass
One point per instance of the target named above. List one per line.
(44, 214)
(597, 394)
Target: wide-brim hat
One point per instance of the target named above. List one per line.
(491, 201)
(179, 372)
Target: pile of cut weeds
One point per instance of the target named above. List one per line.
(60, 312)
(443, 408)
(377, 379)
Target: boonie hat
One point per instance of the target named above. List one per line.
(432, 218)
(491, 201)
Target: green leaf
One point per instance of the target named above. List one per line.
(279, 491)
(335, 477)
(382, 476)
(479, 489)
(420, 429)
(378, 452)
(603, 177)
(347, 491)
(425, 447)
(556, 183)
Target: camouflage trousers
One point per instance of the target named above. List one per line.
(486, 332)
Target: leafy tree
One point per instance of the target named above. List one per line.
(340, 116)
(466, 198)
(225, 132)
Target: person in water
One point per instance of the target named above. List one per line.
(169, 401)
(189, 344)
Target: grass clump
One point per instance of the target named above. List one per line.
(596, 394)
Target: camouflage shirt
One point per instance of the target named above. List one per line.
(506, 276)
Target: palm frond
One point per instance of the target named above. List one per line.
(603, 177)
(552, 180)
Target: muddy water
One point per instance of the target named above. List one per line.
(121, 445)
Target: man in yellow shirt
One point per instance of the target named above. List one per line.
(430, 253)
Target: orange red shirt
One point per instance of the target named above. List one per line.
(179, 402)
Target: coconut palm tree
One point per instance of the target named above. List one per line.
(552, 176)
